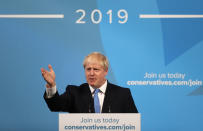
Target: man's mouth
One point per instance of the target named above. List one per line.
(92, 79)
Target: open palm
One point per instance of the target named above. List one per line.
(49, 76)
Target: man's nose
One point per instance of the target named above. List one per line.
(91, 72)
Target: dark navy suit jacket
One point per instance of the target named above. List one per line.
(78, 99)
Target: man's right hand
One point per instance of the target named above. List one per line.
(49, 76)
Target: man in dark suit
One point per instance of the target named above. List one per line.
(97, 95)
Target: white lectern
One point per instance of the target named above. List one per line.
(100, 122)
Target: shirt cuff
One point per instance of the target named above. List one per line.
(51, 92)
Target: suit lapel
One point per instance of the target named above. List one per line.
(107, 100)
(87, 99)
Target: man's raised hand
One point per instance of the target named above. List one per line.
(49, 76)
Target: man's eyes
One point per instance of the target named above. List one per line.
(95, 69)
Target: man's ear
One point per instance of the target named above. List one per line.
(106, 71)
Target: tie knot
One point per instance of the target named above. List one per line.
(96, 91)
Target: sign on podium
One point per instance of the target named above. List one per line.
(100, 122)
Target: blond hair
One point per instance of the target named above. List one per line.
(98, 58)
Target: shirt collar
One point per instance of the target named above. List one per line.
(102, 88)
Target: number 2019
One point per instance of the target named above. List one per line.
(122, 15)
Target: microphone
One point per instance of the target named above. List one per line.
(90, 109)
(109, 109)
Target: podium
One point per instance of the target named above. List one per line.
(100, 122)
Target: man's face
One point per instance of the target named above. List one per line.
(95, 75)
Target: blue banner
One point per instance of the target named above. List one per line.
(154, 48)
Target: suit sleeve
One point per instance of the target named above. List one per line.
(59, 102)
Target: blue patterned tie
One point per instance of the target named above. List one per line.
(96, 101)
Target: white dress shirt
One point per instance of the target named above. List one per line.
(101, 93)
